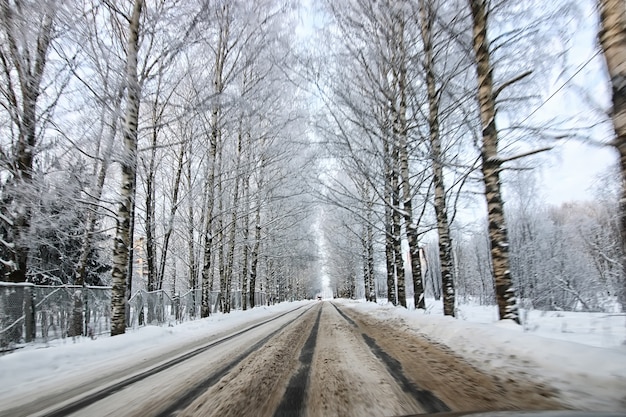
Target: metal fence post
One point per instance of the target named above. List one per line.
(29, 314)
(86, 315)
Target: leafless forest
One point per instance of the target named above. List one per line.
(286, 147)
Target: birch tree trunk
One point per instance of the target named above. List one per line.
(218, 86)
(230, 256)
(613, 42)
(505, 293)
(366, 236)
(191, 236)
(401, 135)
(443, 227)
(390, 253)
(123, 237)
(254, 261)
(370, 254)
(221, 261)
(207, 273)
(170, 223)
(396, 233)
(246, 242)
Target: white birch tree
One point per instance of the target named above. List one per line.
(123, 236)
(613, 42)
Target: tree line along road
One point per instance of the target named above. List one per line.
(322, 359)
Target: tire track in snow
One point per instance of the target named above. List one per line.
(449, 375)
(93, 397)
(204, 385)
(295, 394)
(427, 399)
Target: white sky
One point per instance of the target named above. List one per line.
(574, 174)
(575, 166)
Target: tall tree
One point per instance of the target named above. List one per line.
(161, 49)
(221, 51)
(613, 42)
(491, 165)
(26, 32)
(399, 59)
(100, 55)
(427, 17)
(129, 174)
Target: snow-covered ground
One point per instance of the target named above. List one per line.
(37, 366)
(580, 354)
(593, 329)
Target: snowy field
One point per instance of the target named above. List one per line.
(582, 355)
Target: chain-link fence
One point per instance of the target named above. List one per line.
(71, 310)
(260, 298)
(16, 307)
(40, 313)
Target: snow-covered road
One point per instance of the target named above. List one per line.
(323, 358)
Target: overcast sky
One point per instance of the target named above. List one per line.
(575, 172)
(575, 166)
(572, 169)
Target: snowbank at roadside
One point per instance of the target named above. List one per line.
(39, 365)
(586, 377)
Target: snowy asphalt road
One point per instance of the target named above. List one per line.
(319, 360)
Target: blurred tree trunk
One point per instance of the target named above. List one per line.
(254, 256)
(254, 261)
(400, 133)
(151, 205)
(221, 52)
(191, 236)
(230, 255)
(427, 18)
(366, 236)
(396, 230)
(390, 253)
(170, 224)
(207, 273)
(369, 241)
(613, 42)
(245, 256)
(491, 166)
(221, 252)
(123, 234)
